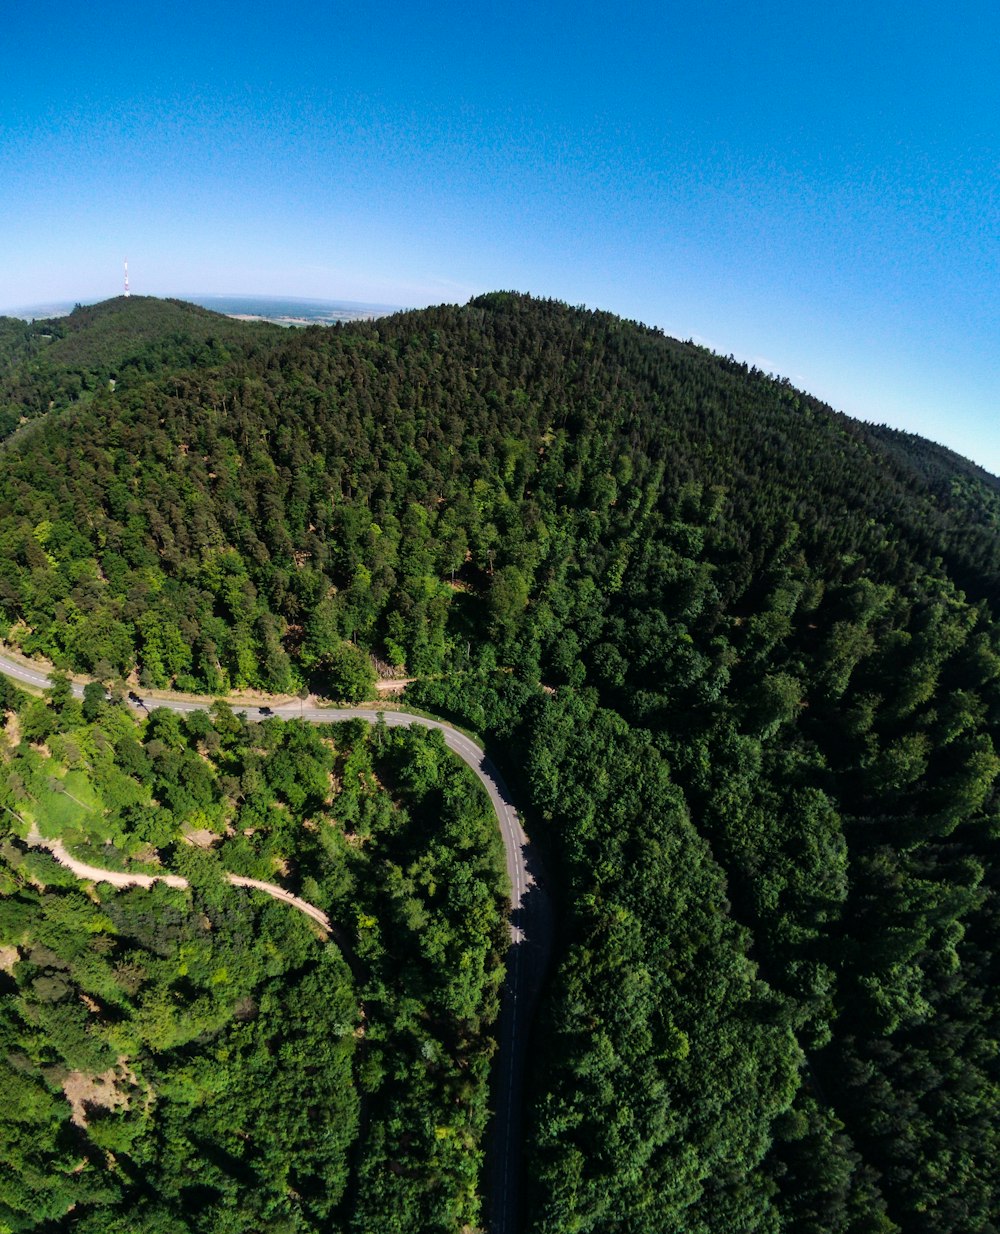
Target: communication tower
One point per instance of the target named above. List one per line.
(127, 292)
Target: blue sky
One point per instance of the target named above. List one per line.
(810, 187)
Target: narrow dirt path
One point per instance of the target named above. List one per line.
(97, 874)
(121, 878)
(286, 897)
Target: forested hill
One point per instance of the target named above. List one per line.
(764, 764)
(202, 471)
(45, 365)
(954, 481)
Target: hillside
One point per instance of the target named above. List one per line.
(47, 365)
(205, 1060)
(762, 768)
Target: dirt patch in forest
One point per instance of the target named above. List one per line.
(110, 1091)
(9, 956)
(12, 727)
(396, 686)
(201, 837)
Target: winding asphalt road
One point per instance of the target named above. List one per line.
(530, 920)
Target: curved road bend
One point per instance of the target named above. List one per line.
(530, 925)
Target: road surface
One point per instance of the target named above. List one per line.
(530, 918)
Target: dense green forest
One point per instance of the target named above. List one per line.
(204, 1059)
(740, 658)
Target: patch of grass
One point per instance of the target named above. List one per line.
(64, 804)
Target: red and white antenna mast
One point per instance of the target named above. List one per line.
(127, 292)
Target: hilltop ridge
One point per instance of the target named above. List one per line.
(52, 363)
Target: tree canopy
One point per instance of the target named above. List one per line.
(738, 654)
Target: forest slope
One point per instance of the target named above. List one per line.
(182, 1057)
(764, 780)
(46, 365)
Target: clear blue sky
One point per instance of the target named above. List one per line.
(811, 187)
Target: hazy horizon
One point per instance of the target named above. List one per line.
(64, 307)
